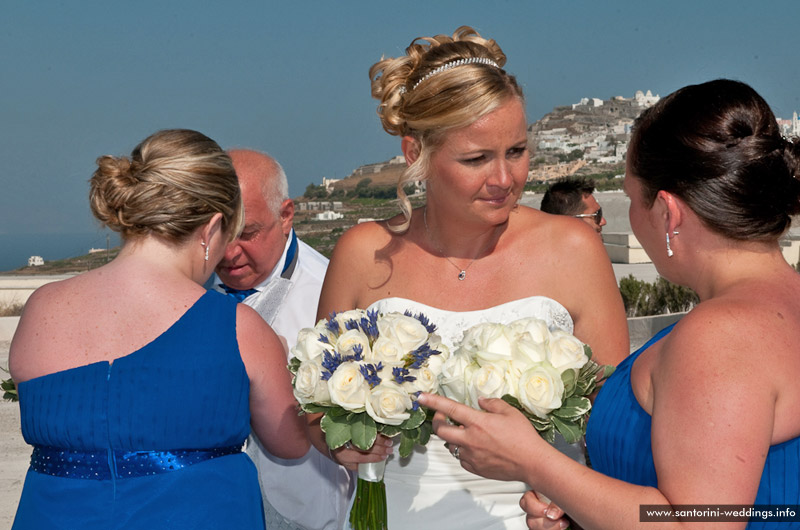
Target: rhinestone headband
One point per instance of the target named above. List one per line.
(448, 66)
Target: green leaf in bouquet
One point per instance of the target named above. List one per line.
(587, 351)
(568, 429)
(337, 430)
(363, 431)
(408, 439)
(569, 379)
(607, 371)
(313, 408)
(548, 434)
(514, 402)
(341, 412)
(294, 365)
(9, 388)
(389, 430)
(414, 421)
(573, 408)
(425, 431)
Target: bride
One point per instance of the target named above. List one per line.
(470, 255)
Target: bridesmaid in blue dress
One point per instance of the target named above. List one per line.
(137, 385)
(706, 412)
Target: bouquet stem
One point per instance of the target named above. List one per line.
(369, 506)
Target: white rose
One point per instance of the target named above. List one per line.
(566, 351)
(387, 350)
(488, 381)
(436, 362)
(488, 342)
(309, 346)
(347, 387)
(388, 403)
(346, 316)
(309, 386)
(541, 389)
(527, 352)
(406, 331)
(455, 375)
(348, 340)
(536, 328)
(425, 381)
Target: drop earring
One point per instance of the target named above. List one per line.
(670, 252)
(206, 247)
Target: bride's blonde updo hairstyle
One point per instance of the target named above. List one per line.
(442, 83)
(173, 183)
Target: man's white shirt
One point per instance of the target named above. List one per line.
(312, 492)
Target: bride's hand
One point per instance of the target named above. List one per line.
(350, 456)
(541, 516)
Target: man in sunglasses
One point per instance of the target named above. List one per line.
(573, 196)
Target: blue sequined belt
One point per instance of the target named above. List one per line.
(103, 465)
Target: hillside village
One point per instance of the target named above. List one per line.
(587, 137)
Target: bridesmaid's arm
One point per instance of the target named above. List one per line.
(273, 410)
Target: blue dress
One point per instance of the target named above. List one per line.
(152, 440)
(618, 441)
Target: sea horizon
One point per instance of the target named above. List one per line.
(15, 249)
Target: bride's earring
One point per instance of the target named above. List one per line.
(206, 247)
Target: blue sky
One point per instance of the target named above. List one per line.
(81, 79)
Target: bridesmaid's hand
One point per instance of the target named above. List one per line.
(492, 443)
(350, 456)
(541, 516)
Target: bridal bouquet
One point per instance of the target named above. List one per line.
(363, 372)
(548, 375)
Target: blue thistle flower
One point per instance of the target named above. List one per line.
(332, 324)
(414, 402)
(401, 375)
(422, 320)
(324, 338)
(418, 357)
(370, 373)
(330, 362)
(358, 351)
(369, 325)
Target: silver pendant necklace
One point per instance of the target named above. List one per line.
(462, 273)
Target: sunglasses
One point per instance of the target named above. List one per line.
(596, 216)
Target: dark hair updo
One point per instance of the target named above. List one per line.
(718, 147)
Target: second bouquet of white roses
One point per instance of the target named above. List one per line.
(547, 374)
(363, 372)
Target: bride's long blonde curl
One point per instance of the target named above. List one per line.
(425, 109)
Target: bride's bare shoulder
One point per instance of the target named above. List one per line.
(364, 238)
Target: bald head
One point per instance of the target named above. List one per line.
(268, 216)
(260, 171)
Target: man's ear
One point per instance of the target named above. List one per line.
(286, 213)
(410, 147)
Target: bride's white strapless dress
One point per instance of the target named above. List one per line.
(430, 489)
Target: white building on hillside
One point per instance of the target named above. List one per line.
(35, 261)
(328, 215)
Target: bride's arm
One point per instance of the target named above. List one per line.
(592, 296)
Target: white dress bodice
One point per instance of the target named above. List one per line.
(430, 489)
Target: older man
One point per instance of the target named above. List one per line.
(271, 270)
(573, 196)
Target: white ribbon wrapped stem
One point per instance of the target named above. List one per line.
(372, 471)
